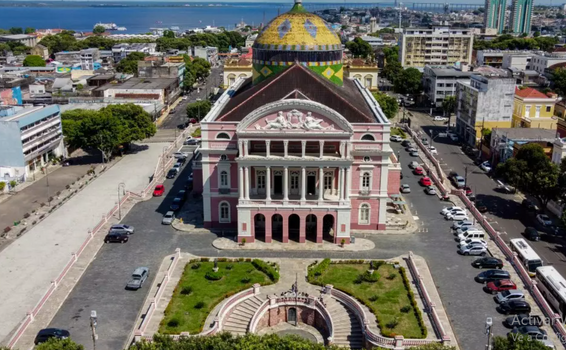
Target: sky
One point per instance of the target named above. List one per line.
(537, 2)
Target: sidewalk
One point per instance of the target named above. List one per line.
(36, 258)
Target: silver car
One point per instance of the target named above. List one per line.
(138, 278)
(507, 295)
(168, 218)
(405, 188)
(430, 190)
(463, 223)
(121, 228)
(473, 250)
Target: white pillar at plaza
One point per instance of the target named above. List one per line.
(246, 147)
(321, 143)
(303, 147)
(241, 183)
(342, 149)
(320, 183)
(241, 148)
(341, 184)
(303, 183)
(285, 148)
(268, 183)
(248, 182)
(286, 183)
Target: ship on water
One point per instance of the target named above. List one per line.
(110, 26)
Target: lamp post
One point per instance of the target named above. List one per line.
(404, 109)
(93, 323)
(488, 325)
(123, 185)
(47, 183)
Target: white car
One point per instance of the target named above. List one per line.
(413, 164)
(463, 229)
(449, 209)
(430, 190)
(440, 119)
(396, 138)
(460, 224)
(179, 155)
(432, 150)
(544, 220)
(185, 98)
(454, 212)
(405, 188)
(474, 242)
(457, 216)
(512, 294)
(485, 166)
(473, 250)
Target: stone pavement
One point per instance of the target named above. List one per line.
(37, 258)
(230, 244)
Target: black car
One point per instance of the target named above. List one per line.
(113, 237)
(452, 175)
(489, 262)
(182, 194)
(181, 160)
(481, 207)
(48, 333)
(492, 275)
(176, 204)
(532, 331)
(529, 205)
(514, 307)
(406, 143)
(531, 234)
(523, 320)
(171, 174)
(189, 185)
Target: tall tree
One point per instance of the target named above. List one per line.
(129, 65)
(559, 81)
(188, 81)
(409, 82)
(388, 104)
(29, 30)
(198, 110)
(449, 105)
(359, 48)
(517, 342)
(16, 30)
(59, 344)
(169, 34)
(34, 61)
(98, 30)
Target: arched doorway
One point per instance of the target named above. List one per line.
(294, 227)
(292, 316)
(277, 227)
(328, 228)
(259, 227)
(311, 227)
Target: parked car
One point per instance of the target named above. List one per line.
(177, 166)
(471, 249)
(529, 205)
(191, 142)
(468, 190)
(425, 181)
(48, 333)
(193, 121)
(190, 178)
(453, 137)
(182, 194)
(411, 149)
(533, 332)
(524, 320)
(531, 234)
(473, 241)
(488, 262)
(492, 275)
(440, 119)
(456, 216)
(406, 143)
(480, 207)
(430, 190)
(173, 111)
(178, 155)
(122, 228)
(176, 204)
(509, 294)
(485, 166)
(458, 181)
(413, 164)
(544, 220)
(446, 210)
(452, 175)
(414, 154)
(168, 218)
(181, 160)
(116, 237)
(494, 287)
(172, 173)
(418, 171)
(461, 230)
(189, 185)
(424, 141)
(514, 307)
(158, 191)
(432, 150)
(138, 278)
(462, 223)
(396, 138)
(405, 188)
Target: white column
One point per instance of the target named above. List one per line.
(267, 148)
(348, 146)
(241, 183)
(246, 147)
(304, 147)
(241, 148)
(286, 184)
(321, 143)
(303, 183)
(348, 184)
(286, 147)
(268, 183)
(342, 152)
(320, 183)
(248, 182)
(341, 184)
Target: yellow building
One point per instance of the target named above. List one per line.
(235, 68)
(533, 109)
(364, 71)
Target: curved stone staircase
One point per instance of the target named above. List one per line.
(240, 317)
(347, 328)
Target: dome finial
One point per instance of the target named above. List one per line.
(298, 2)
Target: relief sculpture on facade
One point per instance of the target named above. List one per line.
(294, 120)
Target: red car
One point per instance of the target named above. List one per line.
(468, 190)
(193, 121)
(425, 181)
(499, 286)
(418, 171)
(159, 190)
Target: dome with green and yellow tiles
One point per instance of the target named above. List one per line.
(297, 37)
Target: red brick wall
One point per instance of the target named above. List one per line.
(393, 182)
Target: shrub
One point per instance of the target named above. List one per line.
(317, 270)
(370, 277)
(267, 269)
(42, 204)
(359, 280)
(174, 322)
(7, 229)
(392, 324)
(411, 296)
(373, 298)
(222, 259)
(50, 199)
(79, 178)
(199, 305)
(42, 216)
(204, 259)
(33, 211)
(186, 290)
(405, 309)
(246, 280)
(26, 215)
(391, 276)
(23, 230)
(248, 260)
(213, 276)
(2, 186)
(195, 266)
(229, 267)
(68, 186)
(13, 183)
(34, 222)
(240, 259)
(58, 193)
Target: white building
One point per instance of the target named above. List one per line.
(542, 61)
(209, 53)
(120, 51)
(250, 40)
(520, 61)
(440, 82)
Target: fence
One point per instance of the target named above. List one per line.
(55, 283)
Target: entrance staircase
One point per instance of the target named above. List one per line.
(347, 329)
(240, 317)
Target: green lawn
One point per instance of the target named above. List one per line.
(398, 131)
(390, 292)
(182, 316)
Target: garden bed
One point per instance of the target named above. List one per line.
(389, 298)
(200, 289)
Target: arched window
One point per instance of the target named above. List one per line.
(367, 159)
(366, 137)
(224, 210)
(223, 178)
(368, 81)
(364, 214)
(366, 180)
(222, 136)
(223, 157)
(358, 77)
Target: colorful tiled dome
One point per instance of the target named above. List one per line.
(297, 36)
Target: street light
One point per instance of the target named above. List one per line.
(123, 185)
(93, 323)
(488, 325)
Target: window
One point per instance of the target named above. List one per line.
(368, 137)
(223, 178)
(368, 82)
(548, 108)
(223, 157)
(367, 159)
(222, 136)
(366, 178)
(364, 214)
(224, 212)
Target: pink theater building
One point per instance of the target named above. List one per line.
(296, 158)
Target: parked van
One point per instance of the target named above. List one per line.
(470, 234)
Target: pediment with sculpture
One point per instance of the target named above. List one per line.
(294, 120)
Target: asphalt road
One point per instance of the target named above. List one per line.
(102, 286)
(178, 118)
(504, 210)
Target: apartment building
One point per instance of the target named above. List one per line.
(542, 61)
(435, 46)
(533, 109)
(520, 19)
(440, 82)
(29, 136)
(494, 15)
(121, 51)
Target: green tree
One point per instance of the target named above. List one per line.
(198, 67)
(359, 48)
(34, 61)
(129, 65)
(393, 71)
(409, 82)
(2, 186)
(433, 346)
(449, 105)
(169, 34)
(559, 81)
(16, 30)
(30, 30)
(188, 81)
(136, 122)
(517, 342)
(59, 344)
(532, 172)
(198, 110)
(536, 34)
(98, 30)
(388, 104)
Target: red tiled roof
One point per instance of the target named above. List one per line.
(529, 93)
(557, 65)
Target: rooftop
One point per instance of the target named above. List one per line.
(17, 36)
(141, 83)
(530, 93)
(441, 71)
(526, 134)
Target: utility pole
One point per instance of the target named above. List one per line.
(47, 183)
(488, 324)
(93, 323)
(123, 185)
(465, 177)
